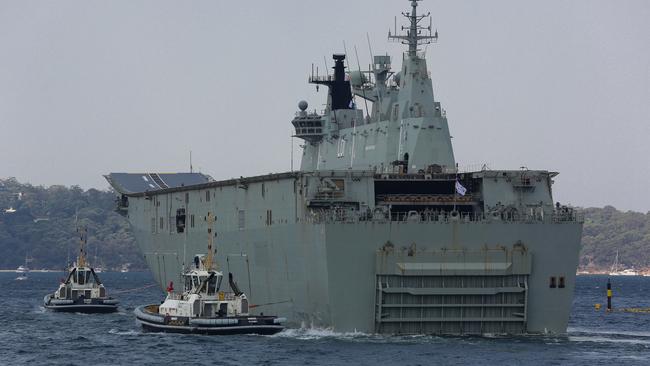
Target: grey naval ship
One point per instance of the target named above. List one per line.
(379, 231)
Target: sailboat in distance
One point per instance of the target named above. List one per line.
(616, 271)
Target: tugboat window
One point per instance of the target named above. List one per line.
(195, 280)
(212, 286)
(188, 283)
(81, 276)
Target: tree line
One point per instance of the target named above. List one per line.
(44, 223)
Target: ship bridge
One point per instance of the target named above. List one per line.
(378, 119)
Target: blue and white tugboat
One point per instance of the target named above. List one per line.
(202, 307)
(81, 291)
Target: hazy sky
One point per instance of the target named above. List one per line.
(92, 87)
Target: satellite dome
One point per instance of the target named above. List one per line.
(302, 105)
(358, 78)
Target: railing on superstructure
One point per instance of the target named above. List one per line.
(344, 215)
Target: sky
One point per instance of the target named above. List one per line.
(92, 87)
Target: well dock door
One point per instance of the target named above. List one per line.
(452, 291)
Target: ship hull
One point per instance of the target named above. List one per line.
(326, 275)
(95, 306)
(156, 322)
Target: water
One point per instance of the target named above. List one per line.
(32, 335)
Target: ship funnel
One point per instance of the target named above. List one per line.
(339, 88)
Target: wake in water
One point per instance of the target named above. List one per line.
(124, 332)
(609, 336)
(310, 333)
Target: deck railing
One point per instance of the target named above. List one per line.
(335, 215)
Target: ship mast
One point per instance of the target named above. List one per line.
(208, 260)
(414, 36)
(81, 260)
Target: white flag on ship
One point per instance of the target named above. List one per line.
(460, 189)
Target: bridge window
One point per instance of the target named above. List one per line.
(212, 286)
(207, 196)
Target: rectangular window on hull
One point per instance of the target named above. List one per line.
(561, 282)
(552, 283)
(269, 217)
(192, 221)
(207, 196)
(180, 220)
(241, 219)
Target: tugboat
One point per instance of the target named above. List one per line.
(202, 308)
(81, 291)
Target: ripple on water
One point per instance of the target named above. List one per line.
(50, 338)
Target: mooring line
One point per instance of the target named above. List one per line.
(135, 289)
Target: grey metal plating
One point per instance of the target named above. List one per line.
(371, 234)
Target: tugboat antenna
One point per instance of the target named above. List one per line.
(81, 261)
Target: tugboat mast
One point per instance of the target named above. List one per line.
(81, 260)
(414, 37)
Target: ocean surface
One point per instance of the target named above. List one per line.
(32, 335)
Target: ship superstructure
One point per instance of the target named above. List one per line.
(379, 231)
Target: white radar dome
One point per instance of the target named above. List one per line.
(358, 78)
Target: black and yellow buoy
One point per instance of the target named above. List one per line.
(609, 295)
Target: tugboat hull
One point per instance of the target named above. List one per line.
(154, 322)
(80, 306)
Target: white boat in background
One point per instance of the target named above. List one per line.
(22, 269)
(615, 271)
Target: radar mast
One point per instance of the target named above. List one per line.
(414, 36)
(81, 259)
